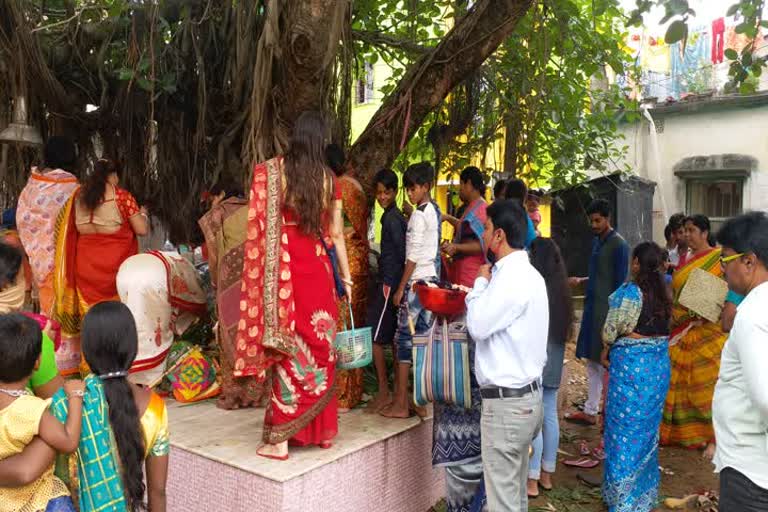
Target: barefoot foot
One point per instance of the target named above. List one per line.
(546, 481)
(395, 411)
(380, 401)
(274, 451)
(709, 451)
(533, 488)
(420, 411)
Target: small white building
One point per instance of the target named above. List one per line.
(707, 156)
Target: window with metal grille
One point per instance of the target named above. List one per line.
(717, 198)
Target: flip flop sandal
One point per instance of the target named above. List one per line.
(581, 418)
(584, 463)
(590, 480)
(584, 449)
(598, 453)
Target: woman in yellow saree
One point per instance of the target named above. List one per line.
(695, 348)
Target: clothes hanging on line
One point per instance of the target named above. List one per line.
(718, 40)
(688, 64)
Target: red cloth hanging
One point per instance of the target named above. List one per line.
(718, 40)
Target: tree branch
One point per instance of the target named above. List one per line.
(380, 39)
(430, 79)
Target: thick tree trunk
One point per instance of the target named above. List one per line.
(294, 69)
(431, 79)
(511, 132)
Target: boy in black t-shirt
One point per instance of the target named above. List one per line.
(382, 315)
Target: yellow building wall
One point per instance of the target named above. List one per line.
(493, 159)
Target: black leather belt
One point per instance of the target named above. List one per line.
(499, 392)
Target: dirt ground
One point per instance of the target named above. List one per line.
(683, 471)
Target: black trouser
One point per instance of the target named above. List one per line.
(739, 494)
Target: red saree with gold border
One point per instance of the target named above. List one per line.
(288, 316)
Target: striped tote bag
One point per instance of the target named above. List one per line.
(442, 365)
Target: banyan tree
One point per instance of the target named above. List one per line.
(183, 91)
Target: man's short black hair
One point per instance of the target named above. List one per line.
(668, 232)
(516, 190)
(21, 342)
(473, 175)
(10, 265)
(387, 178)
(600, 206)
(419, 174)
(59, 153)
(499, 189)
(746, 233)
(676, 221)
(510, 217)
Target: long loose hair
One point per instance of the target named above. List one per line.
(650, 279)
(547, 259)
(95, 185)
(307, 172)
(110, 344)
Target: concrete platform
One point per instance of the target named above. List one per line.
(375, 464)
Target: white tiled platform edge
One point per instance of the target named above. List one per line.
(375, 464)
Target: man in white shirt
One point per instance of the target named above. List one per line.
(740, 403)
(508, 317)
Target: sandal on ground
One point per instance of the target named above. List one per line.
(584, 463)
(584, 449)
(590, 480)
(598, 453)
(580, 418)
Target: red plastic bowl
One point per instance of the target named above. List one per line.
(441, 301)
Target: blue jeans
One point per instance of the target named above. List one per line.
(421, 318)
(546, 443)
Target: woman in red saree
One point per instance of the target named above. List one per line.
(349, 383)
(288, 304)
(95, 233)
(466, 250)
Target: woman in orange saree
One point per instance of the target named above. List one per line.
(695, 348)
(349, 383)
(289, 305)
(40, 202)
(224, 227)
(95, 233)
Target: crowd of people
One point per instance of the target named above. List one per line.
(289, 269)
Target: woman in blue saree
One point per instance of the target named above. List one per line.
(635, 338)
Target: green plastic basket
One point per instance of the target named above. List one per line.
(354, 348)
